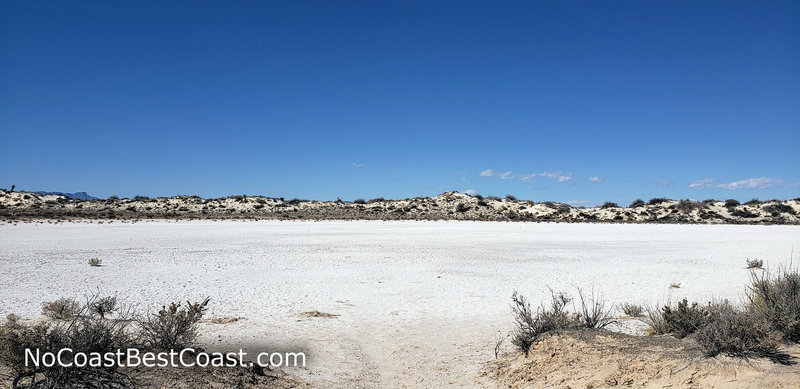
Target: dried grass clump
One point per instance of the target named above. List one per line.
(632, 310)
(776, 298)
(531, 325)
(102, 306)
(95, 262)
(755, 264)
(737, 333)
(61, 309)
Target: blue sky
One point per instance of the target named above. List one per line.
(578, 102)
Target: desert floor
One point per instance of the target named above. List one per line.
(419, 304)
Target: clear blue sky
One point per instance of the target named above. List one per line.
(567, 101)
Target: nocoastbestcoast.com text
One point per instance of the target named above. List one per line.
(187, 357)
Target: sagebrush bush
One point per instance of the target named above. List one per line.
(61, 309)
(174, 326)
(776, 298)
(737, 333)
(530, 325)
(684, 319)
(81, 334)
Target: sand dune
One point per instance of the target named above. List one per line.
(447, 206)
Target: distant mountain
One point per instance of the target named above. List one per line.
(76, 195)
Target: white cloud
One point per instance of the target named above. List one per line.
(358, 164)
(471, 192)
(749, 183)
(753, 183)
(505, 176)
(558, 175)
(701, 184)
(595, 179)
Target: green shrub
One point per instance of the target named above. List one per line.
(684, 319)
(776, 298)
(174, 326)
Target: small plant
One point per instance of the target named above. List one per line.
(511, 197)
(377, 200)
(61, 309)
(359, 201)
(753, 202)
(632, 310)
(737, 333)
(675, 285)
(531, 325)
(102, 306)
(95, 262)
(493, 198)
(655, 320)
(684, 319)
(593, 312)
(755, 264)
(637, 203)
(776, 298)
(174, 326)
(608, 205)
(657, 200)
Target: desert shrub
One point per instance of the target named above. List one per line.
(657, 200)
(632, 310)
(684, 319)
(776, 209)
(530, 325)
(494, 198)
(141, 198)
(637, 203)
(737, 333)
(113, 198)
(81, 334)
(102, 306)
(174, 326)
(377, 200)
(755, 263)
(95, 262)
(477, 196)
(593, 312)
(743, 213)
(753, 202)
(609, 204)
(61, 309)
(296, 201)
(511, 197)
(482, 203)
(360, 201)
(687, 206)
(709, 201)
(461, 207)
(731, 203)
(655, 320)
(776, 298)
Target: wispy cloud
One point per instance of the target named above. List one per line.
(558, 175)
(487, 173)
(595, 179)
(471, 192)
(355, 164)
(749, 183)
(505, 176)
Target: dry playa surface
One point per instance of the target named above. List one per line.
(406, 303)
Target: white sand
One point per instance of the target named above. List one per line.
(420, 302)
